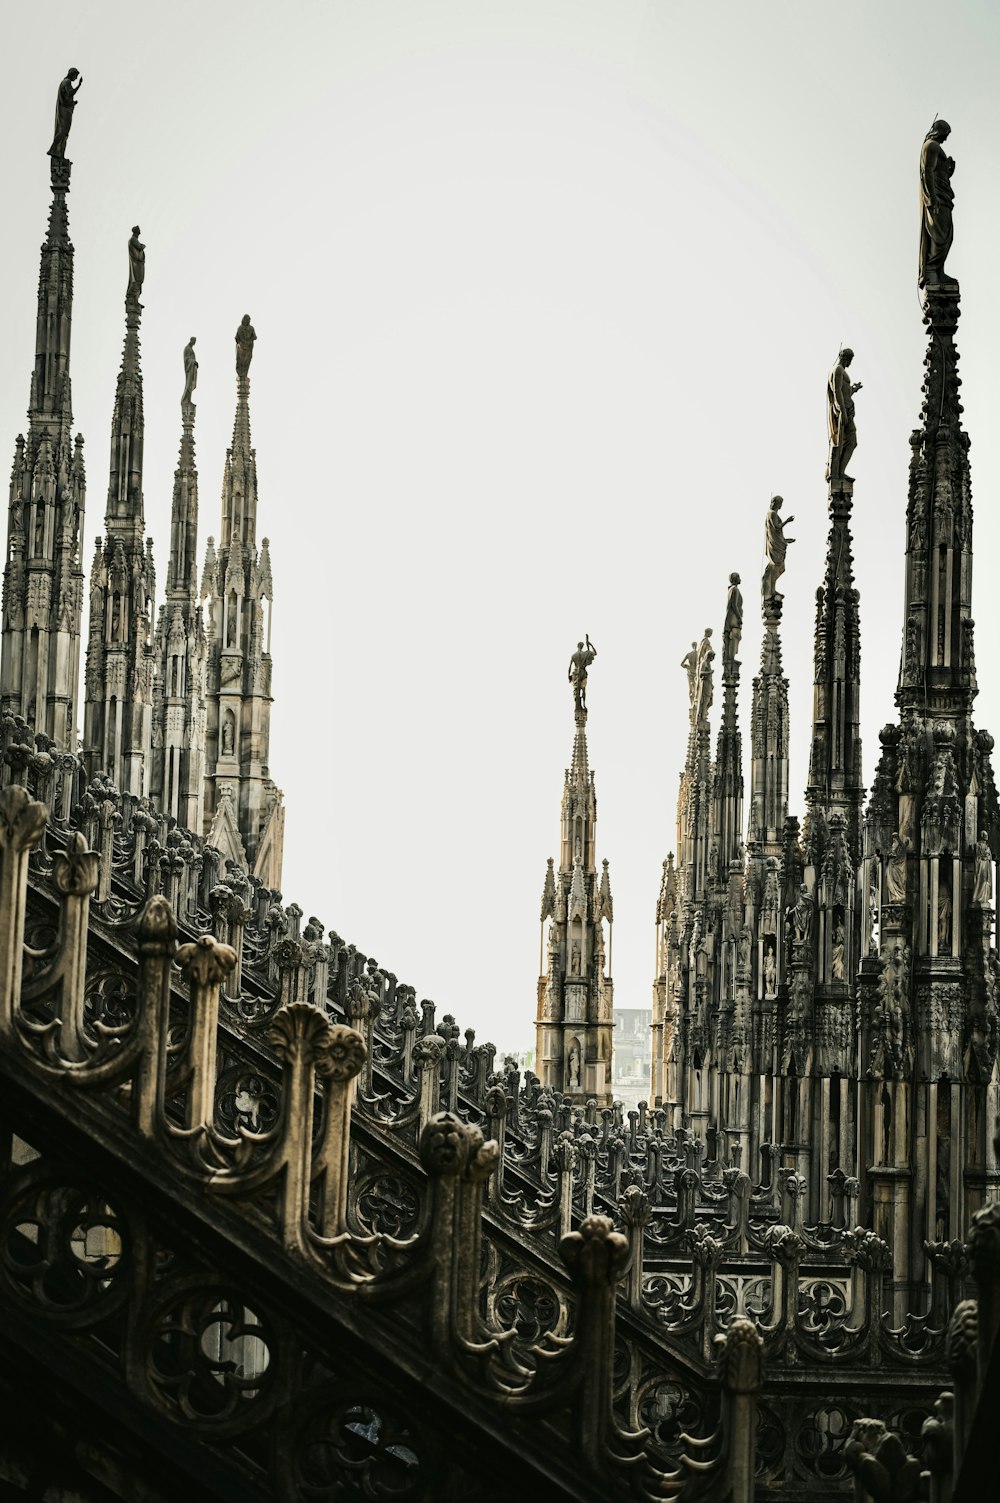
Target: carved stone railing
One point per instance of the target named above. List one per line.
(139, 1094)
(555, 1165)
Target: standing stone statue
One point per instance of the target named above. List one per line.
(895, 872)
(732, 631)
(703, 696)
(840, 391)
(65, 105)
(136, 264)
(190, 374)
(776, 546)
(578, 665)
(801, 914)
(689, 662)
(245, 336)
(837, 954)
(936, 200)
(982, 889)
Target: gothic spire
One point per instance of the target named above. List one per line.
(769, 723)
(43, 577)
(117, 722)
(244, 814)
(181, 648)
(182, 575)
(124, 515)
(239, 485)
(835, 776)
(727, 774)
(574, 1020)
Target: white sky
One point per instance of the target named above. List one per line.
(546, 296)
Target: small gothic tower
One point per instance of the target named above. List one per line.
(43, 576)
(244, 813)
(118, 710)
(180, 647)
(575, 994)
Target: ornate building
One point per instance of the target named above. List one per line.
(271, 1229)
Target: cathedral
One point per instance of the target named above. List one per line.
(271, 1228)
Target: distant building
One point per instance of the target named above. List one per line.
(630, 1069)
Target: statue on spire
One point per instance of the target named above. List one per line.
(840, 391)
(703, 681)
(578, 665)
(732, 629)
(245, 336)
(689, 662)
(936, 200)
(65, 105)
(190, 378)
(776, 546)
(136, 264)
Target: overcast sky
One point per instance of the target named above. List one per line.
(546, 297)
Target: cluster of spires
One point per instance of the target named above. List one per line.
(827, 994)
(179, 713)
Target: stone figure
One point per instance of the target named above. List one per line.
(837, 954)
(746, 943)
(136, 263)
(227, 737)
(703, 682)
(581, 660)
(65, 105)
(982, 887)
(944, 918)
(776, 546)
(245, 336)
(840, 391)
(733, 628)
(936, 199)
(689, 662)
(574, 958)
(802, 915)
(770, 971)
(190, 373)
(573, 1065)
(895, 872)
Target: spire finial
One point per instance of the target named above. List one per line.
(581, 660)
(732, 630)
(65, 105)
(776, 546)
(840, 391)
(937, 198)
(245, 336)
(190, 382)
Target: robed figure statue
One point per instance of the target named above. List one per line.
(936, 199)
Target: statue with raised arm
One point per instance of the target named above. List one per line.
(190, 374)
(65, 105)
(936, 200)
(689, 662)
(840, 391)
(776, 546)
(732, 629)
(245, 336)
(578, 665)
(136, 264)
